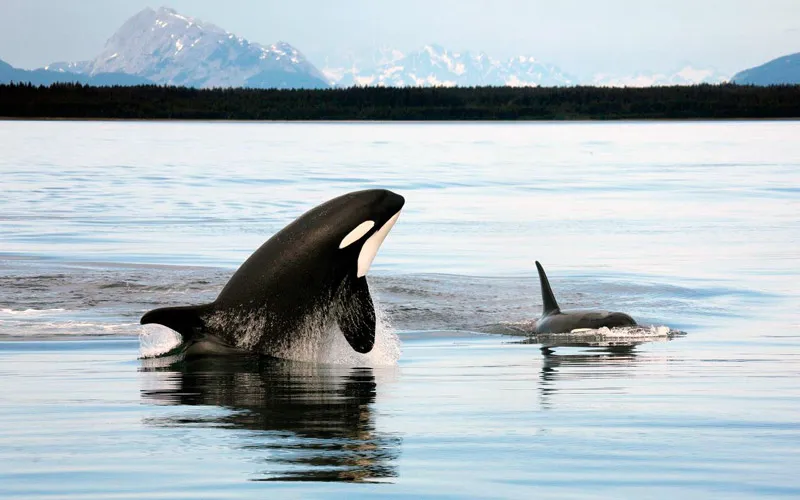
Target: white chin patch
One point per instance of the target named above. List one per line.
(357, 233)
(371, 246)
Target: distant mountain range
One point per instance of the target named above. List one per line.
(780, 71)
(46, 77)
(434, 65)
(164, 47)
(687, 75)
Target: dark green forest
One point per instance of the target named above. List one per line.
(374, 103)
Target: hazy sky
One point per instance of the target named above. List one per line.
(580, 36)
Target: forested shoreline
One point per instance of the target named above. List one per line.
(76, 101)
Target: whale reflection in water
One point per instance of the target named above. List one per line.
(308, 422)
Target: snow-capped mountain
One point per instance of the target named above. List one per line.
(168, 48)
(687, 75)
(82, 67)
(525, 71)
(434, 65)
(340, 63)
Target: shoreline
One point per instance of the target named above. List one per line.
(401, 104)
(396, 122)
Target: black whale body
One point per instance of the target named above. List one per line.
(554, 320)
(309, 275)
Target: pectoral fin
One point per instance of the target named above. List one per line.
(356, 315)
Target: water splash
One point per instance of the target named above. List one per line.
(319, 340)
(608, 337)
(386, 351)
(156, 340)
(628, 331)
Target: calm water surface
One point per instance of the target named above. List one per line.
(693, 226)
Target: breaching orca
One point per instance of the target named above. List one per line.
(310, 275)
(554, 320)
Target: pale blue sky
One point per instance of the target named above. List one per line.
(580, 36)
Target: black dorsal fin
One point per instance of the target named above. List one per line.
(549, 304)
(185, 320)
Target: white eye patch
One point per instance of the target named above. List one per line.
(357, 233)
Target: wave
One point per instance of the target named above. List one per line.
(26, 329)
(317, 343)
(624, 336)
(93, 294)
(30, 312)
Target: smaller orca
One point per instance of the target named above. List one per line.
(554, 320)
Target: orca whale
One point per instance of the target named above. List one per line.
(309, 276)
(554, 320)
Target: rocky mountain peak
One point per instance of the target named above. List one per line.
(167, 47)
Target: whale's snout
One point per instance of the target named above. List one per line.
(394, 202)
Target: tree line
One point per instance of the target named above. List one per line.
(74, 100)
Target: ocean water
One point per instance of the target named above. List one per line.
(693, 228)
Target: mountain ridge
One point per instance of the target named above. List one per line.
(435, 65)
(9, 74)
(169, 48)
(784, 70)
(165, 47)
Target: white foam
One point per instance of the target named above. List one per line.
(612, 336)
(29, 312)
(628, 332)
(155, 340)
